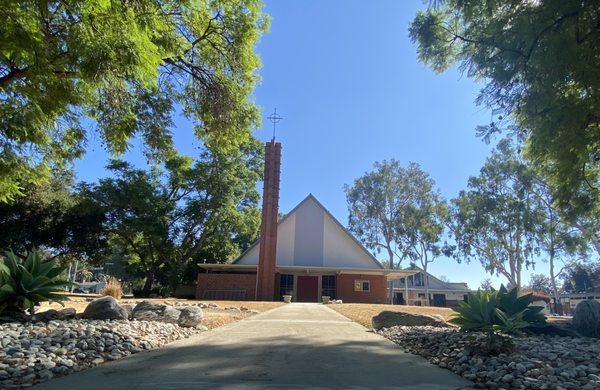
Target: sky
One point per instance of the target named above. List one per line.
(345, 77)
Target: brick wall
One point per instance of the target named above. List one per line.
(244, 282)
(377, 294)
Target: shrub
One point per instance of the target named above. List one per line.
(26, 283)
(113, 288)
(501, 310)
(586, 318)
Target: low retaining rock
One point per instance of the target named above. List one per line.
(387, 319)
(105, 308)
(190, 316)
(156, 311)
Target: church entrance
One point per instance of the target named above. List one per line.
(308, 289)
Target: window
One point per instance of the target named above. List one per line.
(418, 279)
(362, 285)
(286, 285)
(328, 286)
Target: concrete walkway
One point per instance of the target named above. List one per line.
(291, 347)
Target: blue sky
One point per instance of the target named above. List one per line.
(346, 79)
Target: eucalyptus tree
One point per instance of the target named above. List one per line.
(121, 68)
(423, 224)
(559, 240)
(496, 219)
(397, 210)
(540, 62)
(376, 202)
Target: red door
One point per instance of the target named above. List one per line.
(308, 289)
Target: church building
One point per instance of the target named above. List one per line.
(307, 254)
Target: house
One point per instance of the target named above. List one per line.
(411, 290)
(315, 256)
(570, 300)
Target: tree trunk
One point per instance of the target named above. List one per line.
(148, 283)
(426, 275)
(391, 282)
(75, 275)
(557, 305)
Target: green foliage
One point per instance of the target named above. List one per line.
(397, 210)
(581, 278)
(540, 64)
(164, 221)
(51, 216)
(478, 313)
(540, 283)
(497, 220)
(502, 311)
(123, 67)
(25, 283)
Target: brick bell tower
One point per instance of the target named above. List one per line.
(265, 274)
(265, 278)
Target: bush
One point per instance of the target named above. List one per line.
(26, 283)
(113, 288)
(586, 318)
(503, 311)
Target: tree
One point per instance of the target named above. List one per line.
(374, 208)
(496, 221)
(163, 222)
(124, 67)
(397, 210)
(425, 215)
(557, 238)
(541, 65)
(486, 285)
(52, 217)
(541, 283)
(581, 278)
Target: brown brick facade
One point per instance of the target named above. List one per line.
(227, 282)
(345, 289)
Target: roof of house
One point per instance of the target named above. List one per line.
(580, 294)
(333, 218)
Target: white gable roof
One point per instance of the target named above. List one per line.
(310, 235)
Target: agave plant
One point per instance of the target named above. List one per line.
(511, 303)
(478, 313)
(25, 283)
(501, 310)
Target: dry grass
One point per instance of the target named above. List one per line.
(363, 312)
(113, 288)
(213, 318)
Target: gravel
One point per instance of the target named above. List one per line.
(538, 362)
(35, 352)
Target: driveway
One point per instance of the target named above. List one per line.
(295, 346)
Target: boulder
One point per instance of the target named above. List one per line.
(190, 316)
(105, 308)
(129, 309)
(67, 313)
(156, 311)
(387, 319)
(586, 318)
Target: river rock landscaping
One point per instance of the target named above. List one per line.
(35, 352)
(58, 342)
(537, 362)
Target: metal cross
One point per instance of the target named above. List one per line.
(274, 118)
